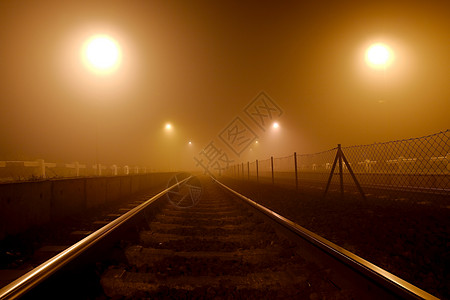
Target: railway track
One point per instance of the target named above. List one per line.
(207, 241)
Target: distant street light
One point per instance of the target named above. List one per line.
(169, 146)
(275, 125)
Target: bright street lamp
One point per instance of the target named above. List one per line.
(379, 56)
(102, 54)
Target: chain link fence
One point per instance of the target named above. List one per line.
(410, 168)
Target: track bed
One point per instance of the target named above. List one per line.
(215, 248)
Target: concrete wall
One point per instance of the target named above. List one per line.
(67, 197)
(24, 205)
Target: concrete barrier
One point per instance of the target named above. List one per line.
(96, 191)
(24, 205)
(113, 189)
(68, 196)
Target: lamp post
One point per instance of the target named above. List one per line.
(102, 55)
(170, 146)
(380, 56)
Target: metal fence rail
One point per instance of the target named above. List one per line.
(416, 165)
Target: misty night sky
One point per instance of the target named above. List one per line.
(197, 64)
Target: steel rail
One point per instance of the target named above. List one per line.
(31, 279)
(391, 282)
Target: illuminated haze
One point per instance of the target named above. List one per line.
(197, 64)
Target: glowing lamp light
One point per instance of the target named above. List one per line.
(379, 56)
(168, 126)
(275, 125)
(102, 53)
(190, 143)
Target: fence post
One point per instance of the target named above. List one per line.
(341, 175)
(271, 164)
(339, 157)
(41, 168)
(77, 168)
(296, 174)
(242, 164)
(257, 172)
(248, 170)
(353, 175)
(114, 169)
(331, 172)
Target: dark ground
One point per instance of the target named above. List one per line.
(410, 239)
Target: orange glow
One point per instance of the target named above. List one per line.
(168, 126)
(275, 125)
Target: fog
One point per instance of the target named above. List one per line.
(200, 64)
